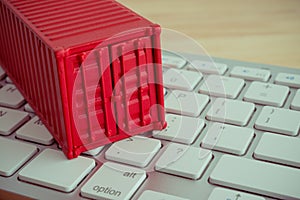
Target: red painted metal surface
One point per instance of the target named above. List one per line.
(90, 69)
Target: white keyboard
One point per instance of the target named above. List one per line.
(232, 134)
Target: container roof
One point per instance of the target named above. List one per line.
(72, 23)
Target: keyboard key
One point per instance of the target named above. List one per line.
(207, 67)
(222, 86)
(152, 195)
(35, 131)
(13, 154)
(113, 181)
(228, 138)
(2, 73)
(94, 152)
(173, 61)
(10, 120)
(259, 177)
(292, 80)
(278, 120)
(28, 108)
(279, 149)
(53, 170)
(181, 79)
(267, 94)
(252, 74)
(231, 111)
(137, 151)
(11, 97)
(186, 103)
(227, 194)
(181, 129)
(296, 101)
(183, 160)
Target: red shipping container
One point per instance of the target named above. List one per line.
(90, 69)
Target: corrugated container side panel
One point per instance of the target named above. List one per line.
(31, 71)
(48, 85)
(13, 46)
(35, 76)
(46, 82)
(39, 79)
(4, 41)
(27, 66)
(61, 121)
(1, 31)
(20, 53)
(7, 34)
(32, 66)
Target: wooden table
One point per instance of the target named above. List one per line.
(263, 31)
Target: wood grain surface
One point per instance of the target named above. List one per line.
(263, 31)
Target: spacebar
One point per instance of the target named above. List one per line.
(258, 177)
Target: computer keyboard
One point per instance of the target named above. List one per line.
(232, 134)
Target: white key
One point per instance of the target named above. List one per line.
(113, 181)
(94, 152)
(183, 160)
(231, 111)
(52, 169)
(253, 74)
(153, 195)
(8, 80)
(2, 73)
(13, 154)
(207, 67)
(181, 129)
(258, 177)
(186, 103)
(279, 149)
(137, 151)
(267, 94)
(292, 80)
(11, 97)
(228, 138)
(181, 79)
(173, 61)
(278, 120)
(28, 108)
(296, 101)
(226, 194)
(222, 86)
(35, 131)
(10, 120)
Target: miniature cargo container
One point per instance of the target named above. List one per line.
(90, 69)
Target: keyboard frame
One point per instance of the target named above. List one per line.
(157, 181)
